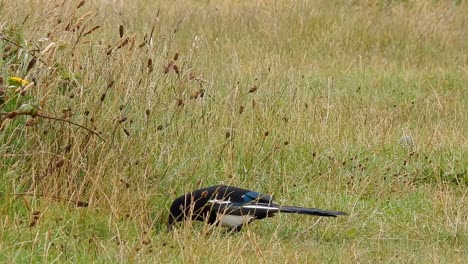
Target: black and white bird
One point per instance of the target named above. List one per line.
(232, 207)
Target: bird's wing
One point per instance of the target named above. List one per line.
(236, 195)
(257, 210)
(252, 196)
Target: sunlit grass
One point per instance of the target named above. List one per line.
(341, 105)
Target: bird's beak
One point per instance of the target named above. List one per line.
(170, 224)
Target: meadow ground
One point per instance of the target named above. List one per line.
(357, 106)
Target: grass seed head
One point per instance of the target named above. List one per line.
(81, 204)
(253, 89)
(123, 43)
(192, 76)
(33, 223)
(176, 69)
(80, 4)
(197, 93)
(31, 64)
(91, 31)
(121, 30)
(180, 102)
(59, 163)
(168, 66)
(149, 64)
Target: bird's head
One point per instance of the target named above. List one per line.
(180, 210)
(188, 206)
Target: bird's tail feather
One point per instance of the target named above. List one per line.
(309, 211)
(272, 208)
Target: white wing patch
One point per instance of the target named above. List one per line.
(263, 207)
(219, 201)
(246, 206)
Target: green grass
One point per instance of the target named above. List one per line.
(340, 83)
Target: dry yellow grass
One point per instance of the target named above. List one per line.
(357, 106)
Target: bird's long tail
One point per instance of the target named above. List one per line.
(309, 211)
(273, 208)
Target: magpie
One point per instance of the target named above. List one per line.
(232, 207)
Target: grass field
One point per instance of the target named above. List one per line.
(111, 109)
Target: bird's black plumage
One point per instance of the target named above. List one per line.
(232, 206)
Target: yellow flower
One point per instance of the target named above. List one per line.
(17, 81)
